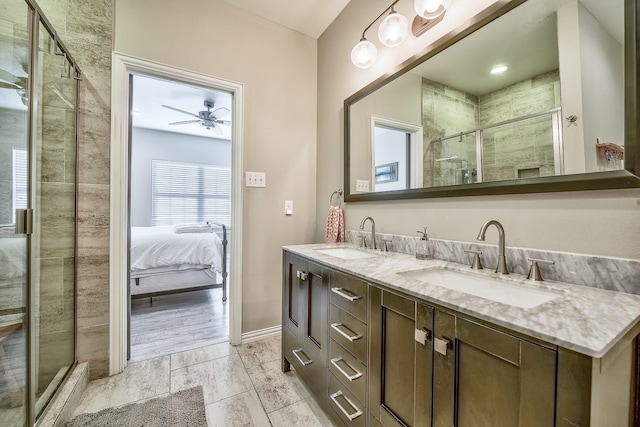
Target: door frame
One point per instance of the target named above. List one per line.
(123, 67)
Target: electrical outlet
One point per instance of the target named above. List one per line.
(256, 179)
(362, 185)
(288, 207)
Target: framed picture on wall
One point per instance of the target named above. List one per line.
(387, 173)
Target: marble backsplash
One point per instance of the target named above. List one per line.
(615, 274)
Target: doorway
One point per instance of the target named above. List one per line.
(125, 69)
(180, 216)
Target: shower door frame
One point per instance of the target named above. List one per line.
(36, 19)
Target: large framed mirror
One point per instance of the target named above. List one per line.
(563, 116)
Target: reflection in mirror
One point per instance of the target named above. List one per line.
(538, 92)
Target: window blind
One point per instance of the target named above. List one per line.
(20, 180)
(189, 193)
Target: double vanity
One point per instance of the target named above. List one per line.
(383, 338)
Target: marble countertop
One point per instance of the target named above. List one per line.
(584, 319)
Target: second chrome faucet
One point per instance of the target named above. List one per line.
(502, 260)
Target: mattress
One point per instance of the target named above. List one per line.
(158, 250)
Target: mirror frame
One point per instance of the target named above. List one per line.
(629, 177)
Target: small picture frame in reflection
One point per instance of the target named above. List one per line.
(387, 173)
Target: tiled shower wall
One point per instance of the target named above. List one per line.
(507, 149)
(86, 29)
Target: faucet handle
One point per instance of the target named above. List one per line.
(363, 242)
(476, 264)
(534, 271)
(385, 245)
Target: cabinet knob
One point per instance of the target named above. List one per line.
(302, 275)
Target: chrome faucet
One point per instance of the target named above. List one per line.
(502, 261)
(373, 230)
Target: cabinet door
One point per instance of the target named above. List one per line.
(401, 366)
(486, 377)
(315, 299)
(294, 279)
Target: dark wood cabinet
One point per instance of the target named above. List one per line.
(304, 319)
(484, 377)
(401, 357)
(378, 357)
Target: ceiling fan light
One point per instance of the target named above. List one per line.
(394, 29)
(364, 54)
(431, 9)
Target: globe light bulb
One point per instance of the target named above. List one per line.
(364, 54)
(430, 9)
(393, 30)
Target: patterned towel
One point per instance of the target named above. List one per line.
(334, 232)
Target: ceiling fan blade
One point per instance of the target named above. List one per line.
(217, 130)
(224, 122)
(223, 111)
(17, 82)
(4, 85)
(181, 111)
(184, 122)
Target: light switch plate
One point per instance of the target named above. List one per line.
(288, 207)
(256, 179)
(362, 185)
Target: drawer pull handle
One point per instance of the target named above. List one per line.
(351, 337)
(305, 363)
(351, 417)
(302, 275)
(355, 376)
(343, 293)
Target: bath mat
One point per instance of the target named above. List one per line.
(182, 409)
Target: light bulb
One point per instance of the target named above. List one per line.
(393, 29)
(364, 54)
(430, 9)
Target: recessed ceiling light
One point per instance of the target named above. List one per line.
(499, 69)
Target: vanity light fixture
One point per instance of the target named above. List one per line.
(430, 12)
(499, 69)
(392, 31)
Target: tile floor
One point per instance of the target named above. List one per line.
(243, 386)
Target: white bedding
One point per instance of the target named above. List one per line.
(12, 256)
(159, 249)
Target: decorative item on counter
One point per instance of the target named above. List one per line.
(425, 249)
(612, 155)
(335, 230)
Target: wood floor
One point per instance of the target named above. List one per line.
(175, 323)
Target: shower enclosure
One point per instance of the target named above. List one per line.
(38, 193)
(523, 147)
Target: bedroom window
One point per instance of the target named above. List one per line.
(189, 193)
(20, 174)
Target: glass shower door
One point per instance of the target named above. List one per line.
(53, 245)
(14, 124)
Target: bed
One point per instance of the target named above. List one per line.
(173, 259)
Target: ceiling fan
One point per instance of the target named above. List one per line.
(19, 84)
(207, 118)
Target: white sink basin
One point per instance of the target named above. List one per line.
(346, 253)
(515, 294)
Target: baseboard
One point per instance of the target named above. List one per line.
(261, 334)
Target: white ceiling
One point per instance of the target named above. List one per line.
(150, 94)
(310, 17)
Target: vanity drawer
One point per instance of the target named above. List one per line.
(350, 294)
(350, 370)
(350, 410)
(307, 363)
(348, 331)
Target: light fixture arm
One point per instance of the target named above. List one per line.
(379, 16)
